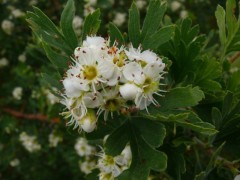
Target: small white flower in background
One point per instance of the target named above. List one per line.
(22, 57)
(183, 14)
(83, 148)
(3, 62)
(175, 5)
(29, 142)
(7, 26)
(17, 93)
(51, 98)
(17, 13)
(33, 2)
(54, 139)
(14, 162)
(103, 79)
(119, 18)
(77, 24)
(141, 4)
(35, 94)
(91, 2)
(88, 10)
(237, 177)
(87, 166)
(111, 167)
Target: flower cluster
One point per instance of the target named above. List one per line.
(54, 139)
(86, 151)
(111, 167)
(106, 78)
(29, 142)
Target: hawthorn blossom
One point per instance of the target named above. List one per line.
(104, 78)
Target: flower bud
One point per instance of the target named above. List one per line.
(129, 91)
(88, 122)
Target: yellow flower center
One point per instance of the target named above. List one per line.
(149, 85)
(112, 105)
(90, 72)
(121, 60)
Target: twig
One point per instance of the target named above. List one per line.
(233, 58)
(38, 116)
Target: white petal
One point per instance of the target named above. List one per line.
(152, 70)
(92, 100)
(133, 72)
(129, 91)
(149, 56)
(74, 86)
(112, 81)
(106, 68)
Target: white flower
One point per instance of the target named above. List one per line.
(77, 24)
(141, 4)
(91, 2)
(183, 14)
(119, 18)
(88, 10)
(51, 98)
(17, 93)
(22, 57)
(54, 139)
(94, 42)
(175, 5)
(7, 26)
(83, 148)
(112, 102)
(3, 62)
(17, 13)
(106, 176)
(110, 166)
(87, 166)
(14, 162)
(237, 177)
(29, 142)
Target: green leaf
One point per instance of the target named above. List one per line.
(207, 71)
(153, 18)
(117, 140)
(189, 121)
(227, 104)
(160, 37)
(134, 26)
(216, 117)
(43, 21)
(115, 34)
(181, 97)
(211, 164)
(144, 159)
(152, 132)
(51, 81)
(230, 17)
(66, 24)
(220, 15)
(91, 24)
(57, 60)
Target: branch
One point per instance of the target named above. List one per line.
(38, 116)
(233, 58)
